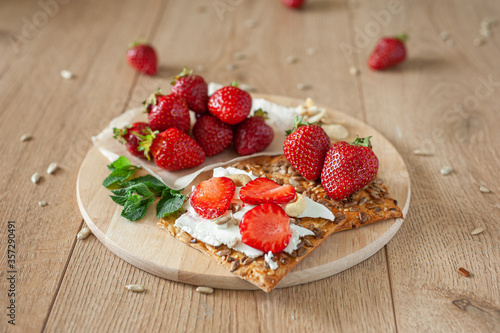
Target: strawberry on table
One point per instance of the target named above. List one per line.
(230, 104)
(389, 52)
(266, 228)
(142, 57)
(212, 198)
(130, 136)
(212, 134)
(262, 190)
(253, 134)
(193, 89)
(293, 3)
(305, 148)
(348, 168)
(173, 150)
(169, 111)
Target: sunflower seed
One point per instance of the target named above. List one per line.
(301, 251)
(311, 51)
(66, 74)
(279, 181)
(221, 220)
(294, 182)
(26, 137)
(291, 59)
(35, 178)
(318, 233)
(353, 71)
(52, 167)
(235, 208)
(246, 261)
(446, 170)
(136, 288)
(303, 86)
(324, 202)
(285, 260)
(422, 152)
(484, 189)
(42, 203)
(477, 231)
(308, 243)
(224, 252)
(84, 233)
(230, 259)
(301, 189)
(378, 181)
(339, 217)
(362, 201)
(205, 290)
(306, 193)
(354, 209)
(378, 201)
(193, 240)
(377, 210)
(363, 217)
(314, 196)
(235, 265)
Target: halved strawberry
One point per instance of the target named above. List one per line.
(262, 190)
(211, 198)
(266, 228)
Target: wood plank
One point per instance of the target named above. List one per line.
(62, 115)
(414, 106)
(98, 283)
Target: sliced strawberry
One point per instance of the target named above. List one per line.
(211, 198)
(262, 190)
(266, 228)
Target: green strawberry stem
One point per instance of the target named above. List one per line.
(363, 142)
(402, 37)
(146, 141)
(234, 84)
(151, 100)
(297, 122)
(261, 113)
(185, 72)
(119, 133)
(140, 41)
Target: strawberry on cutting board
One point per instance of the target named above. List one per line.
(266, 228)
(348, 168)
(293, 3)
(193, 89)
(253, 134)
(169, 111)
(389, 52)
(142, 57)
(173, 150)
(212, 134)
(305, 148)
(230, 104)
(212, 198)
(131, 137)
(262, 190)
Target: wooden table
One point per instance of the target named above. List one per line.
(444, 100)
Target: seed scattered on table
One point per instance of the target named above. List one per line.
(479, 41)
(35, 178)
(311, 51)
(26, 137)
(291, 59)
(484, 189)
(136, 288)
(354, 71)
(421, 152)
(200, 68)
(205, 290)
(84, 233)
(239, 56)
(446, 170)
(52, 167)
(464, 272)
(231, 67)
(444, 35)
(250, 23)
(42, 203)
(303, 86)
(66, 74)
(477, 231)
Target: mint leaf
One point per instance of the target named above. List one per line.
(136, 207)
(153, 183)
(121, 162)
(170, 202)
(121, 170)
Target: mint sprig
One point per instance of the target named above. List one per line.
(137, 194)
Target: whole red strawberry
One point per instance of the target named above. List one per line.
(305, 148)
(152, 100)
(131, 137)
(193, 89)
(348, 168)
(253, 134)
(293, 3)
(143, 58)
(169, 111)
(266, 228)
(389, 52)
(212, 134)
(173, 150)
(230, 104)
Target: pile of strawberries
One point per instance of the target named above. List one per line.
(221, 120)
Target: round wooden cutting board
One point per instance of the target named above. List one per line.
(151, 249)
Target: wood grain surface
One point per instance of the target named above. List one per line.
(444, 99)
(143, 245)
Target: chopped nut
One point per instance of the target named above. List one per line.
(66, 74)
(297, 207)
(26, 137)
(484, 189)
(52, 167)
(205, 290)
(464, 272)
(477, 231)
(136, 288)
(84, 233)
(446, 170)
(35, 178)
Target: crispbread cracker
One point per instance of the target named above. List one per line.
(371, 204)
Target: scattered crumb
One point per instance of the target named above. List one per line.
(479, 41)
(421, 152)
(239, 56)
(250, 23)
(66, 74)
(303, 86)
(446, 170)
(477, 231)
(42, 203)
(231, 67)
(484, 189)
(311, 51)
(354, 71)
(291, 59)
(26, 137)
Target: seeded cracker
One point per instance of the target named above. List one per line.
(370, 205)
